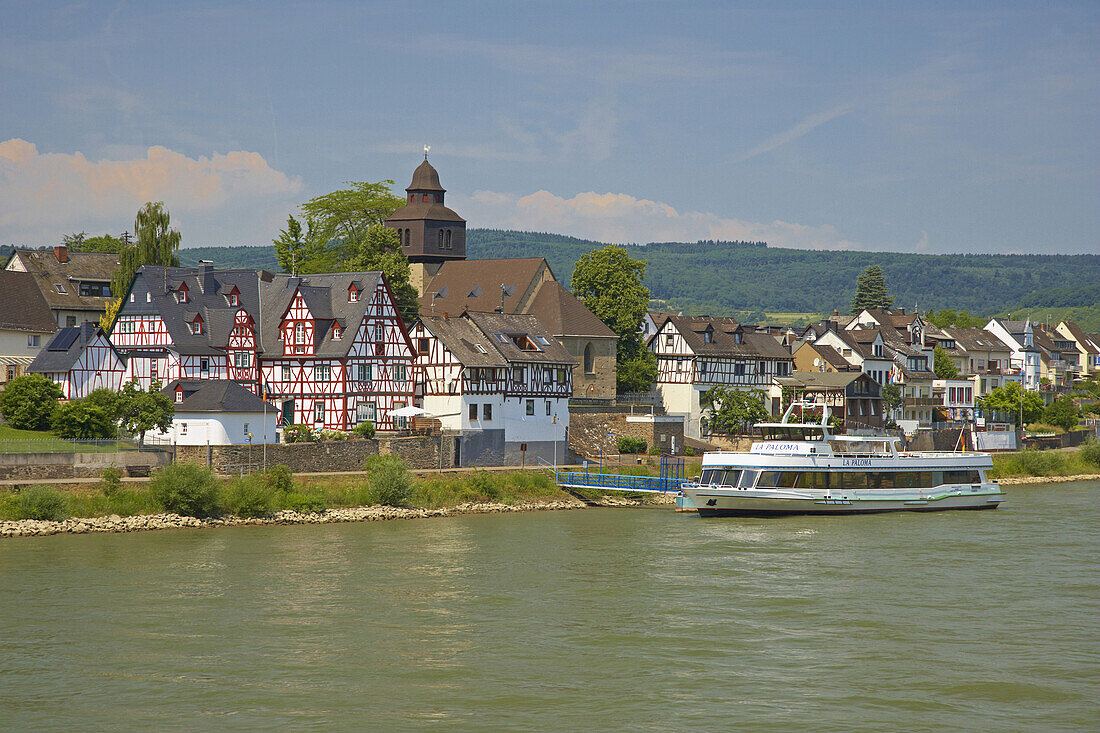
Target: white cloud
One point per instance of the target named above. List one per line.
(619, 217)
(228, 198)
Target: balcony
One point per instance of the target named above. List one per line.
(924, 401)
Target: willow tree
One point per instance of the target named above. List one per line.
(155, 243)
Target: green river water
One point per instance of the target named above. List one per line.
(597, 619)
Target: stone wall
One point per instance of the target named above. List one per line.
(599, 430)
(600, 383)
(23, 466)
(417, 451)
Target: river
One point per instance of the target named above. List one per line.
(596, 619)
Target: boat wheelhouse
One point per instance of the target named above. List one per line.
(803, 468)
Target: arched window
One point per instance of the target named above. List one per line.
(589, 358)
(441, 239)
(448, 239)
(406, 237)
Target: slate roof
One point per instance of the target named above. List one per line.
(500, 326)
(80, 267)
(723, 338)
(833, 357)
(826, 380)
(64, 348)
(263, 295)
(564, 315)
(425, 178)
(462, 337)
(22, 305)
(214, 395)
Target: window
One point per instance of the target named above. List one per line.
(131, 297)
(183, 428)
(473, 412)
(365, 412)
(246, 430)
(70, 321)
(204, 365)
(126, 326)
(59, 288)
(424, 346)
(448, 239)
(148, 297)
(379, 331)
(486, 412)
(530, 407)
(406, 237)
(762, 367)
(702, 369)
(179, 395)
(95, 290)
(336, 331)
(739, 369)
(590, 358)
(547, 407)
(285, 372)
(322, 373)
(353, 295)
(441, 239)
(196, 327)
(668, 340)
(299, 333)
(399, 372)
(181, 294)
(783, 368)
(561, 376)
(517, 374)
(399, 422)
(234, 299)
(364, 373)
(242, 359)
(319, 411)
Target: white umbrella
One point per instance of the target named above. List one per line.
(410, 411)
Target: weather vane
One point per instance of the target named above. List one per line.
(426, 149)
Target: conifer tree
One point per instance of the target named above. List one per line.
(871, 290)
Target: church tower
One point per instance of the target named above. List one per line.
(430, 233)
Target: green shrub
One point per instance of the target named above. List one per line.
(249, 496)
(363, 430)
(1041, 463)
(688, 450)
(631, 445)
(305, 503)
(484, 484)
(655, 450)
(332, 435)
(39, 502)
(390, 481)
(28, 401)
(280, 478)
(298, 434)
(1090, 452)
(81, 420)
(187, 489)
(110, 481)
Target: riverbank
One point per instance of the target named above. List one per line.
(1025, 480)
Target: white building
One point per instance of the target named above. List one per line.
(80, 359)
(501, 380)
(696, 353)
(26, 323)
(1026, 357)
(216, 412)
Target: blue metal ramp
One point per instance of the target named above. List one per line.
(669, 482)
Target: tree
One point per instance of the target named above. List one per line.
(943, 365)
(1011, 398)
(140, 411)
(110, 313)
(610, 284)
(28, 401)
(83, 420)
(871, 290)
(950, 317)
(345, 231)
(892, 398)
(730, 410)
(155, 243)
(103, 243)
(1062, 412)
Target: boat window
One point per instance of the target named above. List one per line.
(929, 479)
(805, 480)
(770, 478)
(847, 480)
(880, 480)
(705, 479)
(748, 479)
(788, 479)
(907, 479)
(961, 477)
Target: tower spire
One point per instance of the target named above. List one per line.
(426, 149)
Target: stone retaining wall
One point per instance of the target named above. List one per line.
(591, 430)
(25, 466)
(417, 451)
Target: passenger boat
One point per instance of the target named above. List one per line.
(802, 468)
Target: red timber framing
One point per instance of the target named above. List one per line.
(374, 377)
(678, 364)
(140, 332)
(241, 358)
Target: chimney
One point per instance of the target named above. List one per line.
(61, 252)
(206, 276)
(836, 312)
(87, 329)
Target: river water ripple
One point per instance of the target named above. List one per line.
(601, 619)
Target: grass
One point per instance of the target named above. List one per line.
(1042, 463)
(13, 440)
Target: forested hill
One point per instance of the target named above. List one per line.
(730, 277)
(723, 277)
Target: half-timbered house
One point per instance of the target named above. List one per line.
(328, 350)
(500, 379)
(696, 353)
(80, 359)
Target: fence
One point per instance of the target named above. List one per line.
(60, 445)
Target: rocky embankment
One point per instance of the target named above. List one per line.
(1024, 480)
(146, 522)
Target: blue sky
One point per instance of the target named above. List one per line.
(928, 127)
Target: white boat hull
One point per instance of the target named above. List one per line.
(722, 501)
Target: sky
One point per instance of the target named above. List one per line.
(917, 127)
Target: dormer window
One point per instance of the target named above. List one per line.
(234, 297)
(179, 395)
(336, 331)
(196, 326)
(299, 333)
(353, 294)
(181, 294)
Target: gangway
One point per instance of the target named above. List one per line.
(669, 482)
